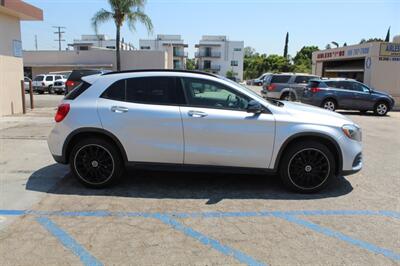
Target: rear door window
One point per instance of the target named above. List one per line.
(154, 90)
(280, 79)
(58, 77)
(39, 78)
(49, 78)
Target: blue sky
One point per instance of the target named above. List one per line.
(261, 24)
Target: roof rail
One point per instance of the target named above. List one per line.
(161, 70)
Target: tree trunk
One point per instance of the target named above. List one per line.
(117, 49)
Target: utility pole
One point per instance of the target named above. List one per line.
(59, 33)
(36, 47)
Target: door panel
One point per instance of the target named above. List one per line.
(149, 133)
(227, 138)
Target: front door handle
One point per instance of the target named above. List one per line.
(197, 114)
(119, 109)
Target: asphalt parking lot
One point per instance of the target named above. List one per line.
(159, 218)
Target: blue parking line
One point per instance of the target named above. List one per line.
(335, 234)
(68, 242)
(215, 244)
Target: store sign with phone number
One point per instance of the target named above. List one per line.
(389, 52)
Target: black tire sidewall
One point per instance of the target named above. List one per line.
(118, 165)
(291, 151)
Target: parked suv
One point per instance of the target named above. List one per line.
(285, 86)
(198, 121)
(348, 94)
(44, 83)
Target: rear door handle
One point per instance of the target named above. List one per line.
(197, 114)
(119, 109)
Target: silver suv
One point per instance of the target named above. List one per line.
(286, 86)
(192, 120)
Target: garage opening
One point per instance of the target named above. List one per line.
(352, 69)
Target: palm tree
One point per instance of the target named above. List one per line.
(130, 11)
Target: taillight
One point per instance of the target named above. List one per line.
(70, 83)
(62, 112)
(315, 90)
(271, 87)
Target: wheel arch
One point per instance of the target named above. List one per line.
(332, 145)
(81, 133)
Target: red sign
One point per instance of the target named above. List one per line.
(330, 54)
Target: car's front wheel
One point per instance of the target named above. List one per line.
(96, 162)
(307, 167)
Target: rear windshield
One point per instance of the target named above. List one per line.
(39, 78)
(76, 75)
(313, 84)
(72, 95)
(280, 79)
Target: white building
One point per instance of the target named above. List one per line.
(99, 41)
(219, 55)
(165, 42)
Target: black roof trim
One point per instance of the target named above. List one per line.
(161, 70)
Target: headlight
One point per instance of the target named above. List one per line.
(352, 132)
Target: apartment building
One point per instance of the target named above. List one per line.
(99, 41)
(219, 55)
(165, 42)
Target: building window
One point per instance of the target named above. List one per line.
(237, 49)
(234, 63)
(145, 47)
(83, 48)
(110, 47)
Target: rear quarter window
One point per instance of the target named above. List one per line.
(280, 79)
(72, 95)
(303, 79)
(314, 84)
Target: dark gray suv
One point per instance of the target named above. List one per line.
(286, 86)
(347, 94)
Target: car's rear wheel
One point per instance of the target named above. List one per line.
(96, 162)
(329, 104)
(307, 167)
(381, 108)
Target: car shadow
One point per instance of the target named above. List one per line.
(369, 113)
(182, 185)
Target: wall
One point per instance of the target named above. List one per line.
(11, 74)
(9, 31)
(50, 61)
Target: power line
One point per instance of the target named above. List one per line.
(59, 33)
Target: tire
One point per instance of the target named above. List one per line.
(307, 167)
(96, 162)
(381, 108)
(285, 97)
(329, 104)
(50, 90)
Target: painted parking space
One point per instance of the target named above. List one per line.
(249, 244)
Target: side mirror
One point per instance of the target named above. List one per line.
(254, 107)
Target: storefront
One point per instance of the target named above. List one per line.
(376, 64)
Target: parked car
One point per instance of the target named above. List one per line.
(59, 86)
(161, 119)
(74, 79)
(44, 83)
(286, 86)
(26, 84)
(349, 94)
(260, 80)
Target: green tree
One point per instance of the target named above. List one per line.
(130, 11)
(190, 64)
(303, 59)
(285, 50)
(387, 39)
(249, 51)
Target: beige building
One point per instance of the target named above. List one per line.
(377, 64)
(11, 65)
(42, 62)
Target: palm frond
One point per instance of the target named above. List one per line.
(100, 17)
(139, 16)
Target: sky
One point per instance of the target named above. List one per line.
(261, 24)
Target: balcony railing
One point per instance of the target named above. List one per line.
(210, 68)
(208, 54)
(180, 53)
